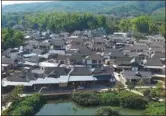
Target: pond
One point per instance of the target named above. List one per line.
(70, 108)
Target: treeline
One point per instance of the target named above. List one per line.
(63, 21)
(11, 38)
(56, 21)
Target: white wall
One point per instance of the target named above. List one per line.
(89, 62)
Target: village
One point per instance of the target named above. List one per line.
(89, 59)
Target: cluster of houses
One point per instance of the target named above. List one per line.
(82, 58)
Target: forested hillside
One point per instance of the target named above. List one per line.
(116, 8)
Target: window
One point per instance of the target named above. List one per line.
(62, 62)
(94, 61)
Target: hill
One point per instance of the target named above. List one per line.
(116, 8)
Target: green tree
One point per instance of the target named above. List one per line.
(162, 30)
(18, 38)
(141, 82)
(14, 95)
(147, 94)
(125, 25)
(11, 38)
(130, 100)
(156, 109)
(106, 111)
(130, 85)
(153, 28)
(141, 24)
(109, 99)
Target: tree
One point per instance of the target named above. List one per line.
(153, 28)
(11, 38)
(125, 25)
(130, 85)
(147, 94)
(106, 111)
(156, 109)
(162, 30)
(140, 82)
(14, 95)
(18, 38)
(109, 99)
(159, 88)
(119, 85)
(141, 24)
(128, 99)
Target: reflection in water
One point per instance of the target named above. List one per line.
(70, 108)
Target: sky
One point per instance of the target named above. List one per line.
(18, 2)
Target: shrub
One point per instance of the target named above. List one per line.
(109, 99)
(130, 100)
(27, 106)
(106, 111)
(156, 109)
(86, 98)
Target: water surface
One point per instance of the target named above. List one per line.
(70, 108)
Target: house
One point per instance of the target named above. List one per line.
(99, 47)
(64, 34)
(156, 38)
(84, 51)
(136, 76)
(85, 76)
(116, 54)
(54, 76)
(87, 33)
(77, 33)
(93, 60)
(7, 64)
(124, 63)
(37, 51)
(44, 45)
(120, 34)
(11, 53)
(57, 44)
(98, 32)
(28, 48)
(104, 74)
(155, 65)
(76, 59)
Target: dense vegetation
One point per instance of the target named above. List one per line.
(130, 100)
(123, 98)
(26, 106)
(86, 98)
(106, 111)
(156, 109)
(11, 38)
(63, 21)
(109, 99)
(116, 8)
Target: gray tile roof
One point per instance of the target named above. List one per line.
(7, 60)
(153, 62)
(81, 71)
(135, 75)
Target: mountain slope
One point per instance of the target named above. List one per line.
(117, 8)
